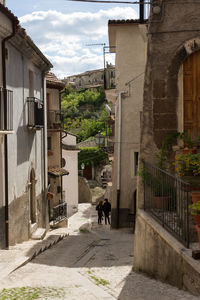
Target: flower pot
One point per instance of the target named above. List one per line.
(198, 232)
(195, 196)
(189, 150)
(196, 219)
(161, 202)
(194, 183)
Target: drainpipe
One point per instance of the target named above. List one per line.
(44, 154)
(61, 180)
(14, 29)
(119, 154)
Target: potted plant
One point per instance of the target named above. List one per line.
(188, 167)
(189, 144)
(195, 212)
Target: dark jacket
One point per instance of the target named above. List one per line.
(106, 207)
(99, 208)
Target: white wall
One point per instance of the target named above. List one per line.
(130, 62)
(25, 147)
(70, 182)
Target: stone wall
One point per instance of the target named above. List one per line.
(19, 218)
(84, 193)
(161, 256)
(173, 35)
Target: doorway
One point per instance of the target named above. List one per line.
(191, 95)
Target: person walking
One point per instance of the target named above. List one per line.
(99, 209)
(107, 210)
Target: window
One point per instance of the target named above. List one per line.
(35, 113)
(135, 163)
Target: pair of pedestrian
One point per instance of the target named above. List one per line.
(104, 208)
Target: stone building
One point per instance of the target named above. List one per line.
(128, 41)
(23, 165)
(93, 79)
(171, 103)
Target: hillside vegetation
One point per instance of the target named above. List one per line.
(84, 112)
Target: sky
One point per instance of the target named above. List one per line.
(62, 30)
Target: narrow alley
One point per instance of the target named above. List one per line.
(92, 262)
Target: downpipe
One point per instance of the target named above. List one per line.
(44, 154)
(119, 154)
(14, 30)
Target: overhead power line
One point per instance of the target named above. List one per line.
(110, 1)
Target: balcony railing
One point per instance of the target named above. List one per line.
(6, 110)
(59, 212)
(35, 113)
(166, 198)
(54, 118)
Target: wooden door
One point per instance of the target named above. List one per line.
(191, 88)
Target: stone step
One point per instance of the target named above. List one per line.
(39, 234)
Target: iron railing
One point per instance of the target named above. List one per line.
(6, 110)
(166, 198)
(35, 112)
(59, 212)
(54, 117)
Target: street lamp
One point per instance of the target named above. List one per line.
(99, 138)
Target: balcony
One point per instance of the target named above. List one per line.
(6, 111)
(35, 113)
(54, 119)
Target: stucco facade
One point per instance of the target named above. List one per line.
(129, 39)
(23, 151)
(173, 36)
(70, 182)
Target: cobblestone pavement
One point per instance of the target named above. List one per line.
(92, 263)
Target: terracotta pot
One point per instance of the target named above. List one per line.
(198, 232)
(196, 219)
(189, 150)
(195, 196)
(161, 202)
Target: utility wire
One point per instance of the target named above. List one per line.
(107, 1)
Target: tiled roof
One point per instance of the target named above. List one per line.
(22, 32)
(70, 147)
(57, 171)
(53, 81)
(128, 21)
(8, 13)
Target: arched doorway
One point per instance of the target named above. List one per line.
(32, 197)
(191, 94)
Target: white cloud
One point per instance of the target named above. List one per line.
(63, 37)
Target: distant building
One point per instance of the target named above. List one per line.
(93, 79)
